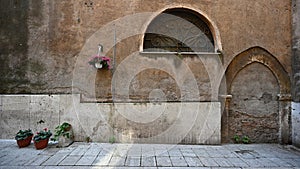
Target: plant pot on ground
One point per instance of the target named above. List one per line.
(23, 138)
(42, 138)
(64, 135)
(41, 144)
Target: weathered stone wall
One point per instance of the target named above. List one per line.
(296, 51)
(156, 78)
(258, 98)
(193, 123)
(13, 46)
(254, 105)
(47, 44)
(54, 32)
(296, 72)
(296, 123)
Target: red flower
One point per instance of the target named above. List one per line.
(45, 129)
(103, 60)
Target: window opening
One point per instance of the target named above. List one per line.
(178, 30)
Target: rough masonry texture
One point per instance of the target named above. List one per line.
(56, 32)
(296, 73)
(14, 48)
(250, 67)
(186, 122)
(296, 51)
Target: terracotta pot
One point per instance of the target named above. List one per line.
(41, 144)
(68, 128)
(25, 142)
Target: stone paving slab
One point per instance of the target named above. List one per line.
(55, 159)
(175, 153)
(193, 162)
(209, 162)
(149, 156)
(117, 161)
(148, 161)
(70, 160)
(37, 161)
(86, 160)
(94, 150)
(102, 160)
(188, 152)
(178, 161)
(163, 161)
(133, 161)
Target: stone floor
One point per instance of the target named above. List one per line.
(149, 156)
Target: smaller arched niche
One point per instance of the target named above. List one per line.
(179, 30)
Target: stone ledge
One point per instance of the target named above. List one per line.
(178, 122)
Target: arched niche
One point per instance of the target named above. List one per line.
(260, 55)
(269, 84)
(181, 30)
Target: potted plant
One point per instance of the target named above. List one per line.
(24, 137)
(100, 62)
(41, 139)
(63, 134)
(61, 130)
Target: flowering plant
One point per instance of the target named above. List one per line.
(23, 134)
(42, 135)
(100, 62)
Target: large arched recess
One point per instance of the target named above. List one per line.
(197, 12)
(242, 62)
(260, 55)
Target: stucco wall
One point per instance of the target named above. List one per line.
(50, 54)
(57, 31)
(13, 46)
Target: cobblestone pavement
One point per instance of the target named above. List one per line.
(148, 156)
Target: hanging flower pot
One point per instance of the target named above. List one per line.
(100, 62)
(98, 65)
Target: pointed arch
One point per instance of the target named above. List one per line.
(260, 55)
(235, 112)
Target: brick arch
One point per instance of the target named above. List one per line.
(260, 55)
